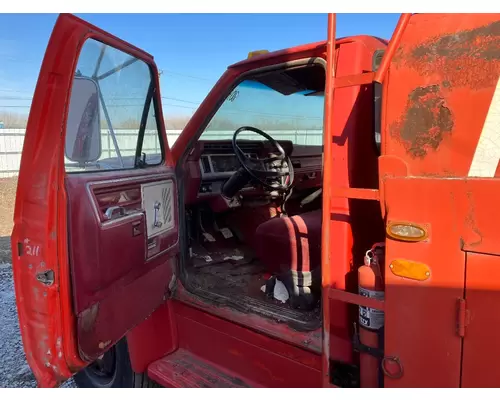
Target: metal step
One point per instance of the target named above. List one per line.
(183, 369)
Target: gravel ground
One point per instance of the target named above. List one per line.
(14, 370)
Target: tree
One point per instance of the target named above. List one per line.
(13, 120)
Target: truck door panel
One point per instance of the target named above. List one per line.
(96, 226)
(110, 259)
(120, 250)
(421, 315)
(481, 349)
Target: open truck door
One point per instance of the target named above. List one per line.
(95, 240)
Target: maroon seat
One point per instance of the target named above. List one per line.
(291, 244)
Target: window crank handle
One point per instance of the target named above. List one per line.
(157, 223)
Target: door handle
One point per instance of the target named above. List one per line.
(114, 212)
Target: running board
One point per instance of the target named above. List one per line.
(183, 369)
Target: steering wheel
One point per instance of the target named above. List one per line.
(274, 172)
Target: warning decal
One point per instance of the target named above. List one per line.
(370, 317)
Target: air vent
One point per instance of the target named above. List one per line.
(217, 147)
(250, 147)
(206, 164)
(214, 148)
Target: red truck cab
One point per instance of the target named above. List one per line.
(230, 257)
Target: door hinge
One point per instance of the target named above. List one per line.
(462, 317)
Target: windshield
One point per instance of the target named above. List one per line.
(297, 117)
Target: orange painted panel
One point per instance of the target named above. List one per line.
(481, 345)
(420, 315)
(438, 91)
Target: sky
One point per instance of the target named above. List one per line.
(191, 50)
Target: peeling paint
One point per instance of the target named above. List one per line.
(457, 45)
(425, 122)
(466, 58)
(88, 317)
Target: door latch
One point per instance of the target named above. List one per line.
(46, 277)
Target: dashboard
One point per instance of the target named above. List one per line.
(220, 165)
(211, 163)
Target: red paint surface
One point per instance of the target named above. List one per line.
(349, 227)
(153, 338)
(481, 321)
(442, 51)
(310, 341)
(421, 316)
(259, 359)
(46, 313)
(183, 369)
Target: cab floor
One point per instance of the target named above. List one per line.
(235, 277)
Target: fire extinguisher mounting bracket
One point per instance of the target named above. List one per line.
(361, 348)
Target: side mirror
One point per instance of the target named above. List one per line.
(83, 130)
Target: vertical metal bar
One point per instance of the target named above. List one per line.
(110, 127)
(144, 121)
(392, 47)
(99, 60)
(109, 145)
(327, 175)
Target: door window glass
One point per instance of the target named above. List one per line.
(112, 122)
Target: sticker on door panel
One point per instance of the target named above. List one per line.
(158, 204)
(370, 317)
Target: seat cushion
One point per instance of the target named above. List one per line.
(290, 243)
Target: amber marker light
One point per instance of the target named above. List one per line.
(410, 269)
(406, 232)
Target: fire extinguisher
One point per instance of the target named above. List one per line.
(371, 321)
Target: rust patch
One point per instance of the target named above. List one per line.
(88, 317)
(425, 123)
(466, 58)
(459, 44)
